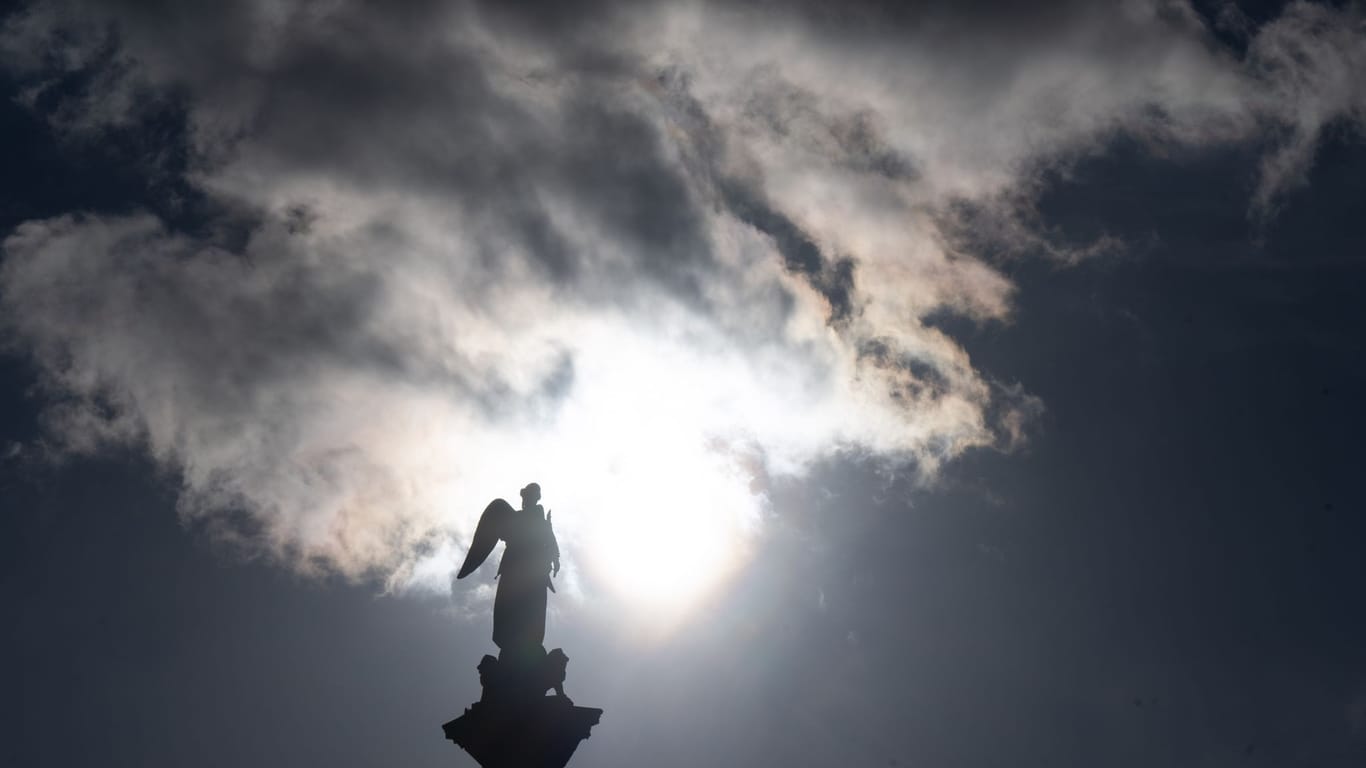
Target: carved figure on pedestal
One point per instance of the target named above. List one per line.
(531, 558)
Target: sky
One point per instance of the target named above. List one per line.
(924, 384)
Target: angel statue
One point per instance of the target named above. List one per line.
(530, 559)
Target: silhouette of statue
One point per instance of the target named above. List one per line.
(514, 724)
(531, 558)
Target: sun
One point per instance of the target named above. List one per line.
(663, 516)
(676, 538)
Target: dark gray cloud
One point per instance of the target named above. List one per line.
(462, 232)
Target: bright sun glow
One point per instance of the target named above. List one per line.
(641, 470)
(671, 511)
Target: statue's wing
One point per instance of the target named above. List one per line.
(486, 534)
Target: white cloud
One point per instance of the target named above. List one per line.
(627, 260)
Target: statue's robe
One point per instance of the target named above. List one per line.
(523, 579)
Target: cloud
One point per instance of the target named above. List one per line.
(629, 254)
(1307, 62)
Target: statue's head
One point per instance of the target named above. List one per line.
(530, 495)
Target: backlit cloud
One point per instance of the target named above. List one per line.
(646, 255)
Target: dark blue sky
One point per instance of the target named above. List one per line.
(1168, 571)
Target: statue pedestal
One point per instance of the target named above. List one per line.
(514, 724)
(543, 734)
